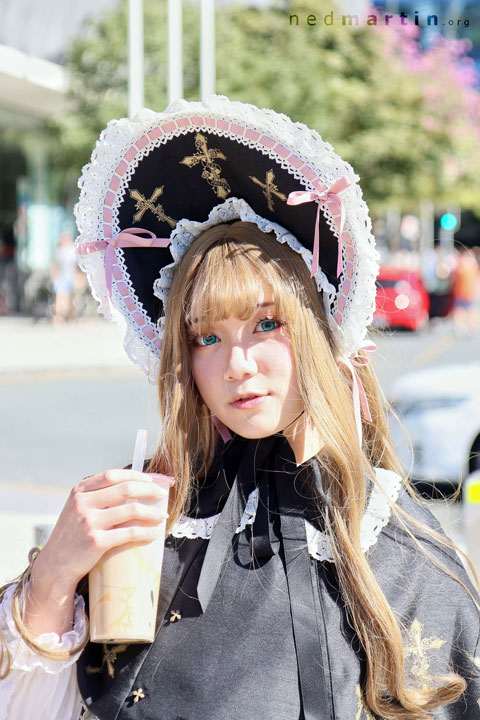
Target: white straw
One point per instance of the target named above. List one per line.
(140, 450)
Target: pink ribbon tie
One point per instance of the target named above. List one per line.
(330, 196)
(131, 237)
(225, 433)
(360, 402)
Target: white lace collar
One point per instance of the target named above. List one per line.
(374, 520)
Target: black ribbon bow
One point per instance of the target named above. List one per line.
(287, 495)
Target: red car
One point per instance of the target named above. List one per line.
(402, 300)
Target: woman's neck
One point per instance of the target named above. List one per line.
(303, 438)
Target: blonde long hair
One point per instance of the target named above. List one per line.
(219, 276)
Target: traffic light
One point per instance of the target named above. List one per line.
(448, 221)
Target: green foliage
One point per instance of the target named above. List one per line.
(97, 62)
(349, 83)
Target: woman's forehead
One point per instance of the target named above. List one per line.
(265, 301)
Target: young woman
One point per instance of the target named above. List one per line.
(301, 579)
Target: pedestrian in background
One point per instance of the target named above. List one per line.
(63, 272)
(466, 289)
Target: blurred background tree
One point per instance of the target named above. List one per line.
(406, 119)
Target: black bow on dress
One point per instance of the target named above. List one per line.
(288, 494)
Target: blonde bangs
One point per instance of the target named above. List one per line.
(229, 280)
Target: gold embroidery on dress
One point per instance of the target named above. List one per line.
(362, 710)
(142, 205)
(269, 188)
(211, 171)
(138, 695)
(476, 662)
(109, 657)
(418, 647)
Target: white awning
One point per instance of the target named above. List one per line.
(31, 86)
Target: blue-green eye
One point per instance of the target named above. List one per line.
(268, 324)
(208, 340)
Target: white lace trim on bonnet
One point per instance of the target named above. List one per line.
(124, 143)
(187, 231)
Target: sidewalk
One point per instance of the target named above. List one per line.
(35, 348)
(36, 352)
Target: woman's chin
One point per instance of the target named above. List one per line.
(253, 431)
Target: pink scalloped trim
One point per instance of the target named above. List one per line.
(308, 173)
(122, 168)
(155, 133)
(142, 142)
(295, 161)
(131, 153)
(148, 331)
(237, 129)
(86, 248)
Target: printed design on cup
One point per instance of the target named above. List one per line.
(109, 657)
(269, 188)
(142, 204)
(124, 595)
(211, 171)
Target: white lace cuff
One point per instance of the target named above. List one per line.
(23, 658)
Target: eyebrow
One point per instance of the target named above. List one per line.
(259, 305)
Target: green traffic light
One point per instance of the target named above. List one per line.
(448, 221)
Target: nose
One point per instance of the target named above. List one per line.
(240, 362)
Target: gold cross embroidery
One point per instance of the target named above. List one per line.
(175, 615)
(361, 709)
(211, 171)
(142, 205)
(269, 188)
(138, 695)
(109, 657)
(418, 647)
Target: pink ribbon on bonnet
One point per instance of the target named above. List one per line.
(360, 402)
(298, 197)
(131, 237)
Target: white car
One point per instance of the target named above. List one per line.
(439, 409)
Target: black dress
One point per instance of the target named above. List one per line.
(252, 627)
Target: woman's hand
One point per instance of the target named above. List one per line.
(102, 511)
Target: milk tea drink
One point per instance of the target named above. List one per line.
(125, 583)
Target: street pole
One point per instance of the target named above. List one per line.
(136, 98)
(175, 61)
(207, 48)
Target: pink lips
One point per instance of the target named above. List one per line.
(250, 402)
